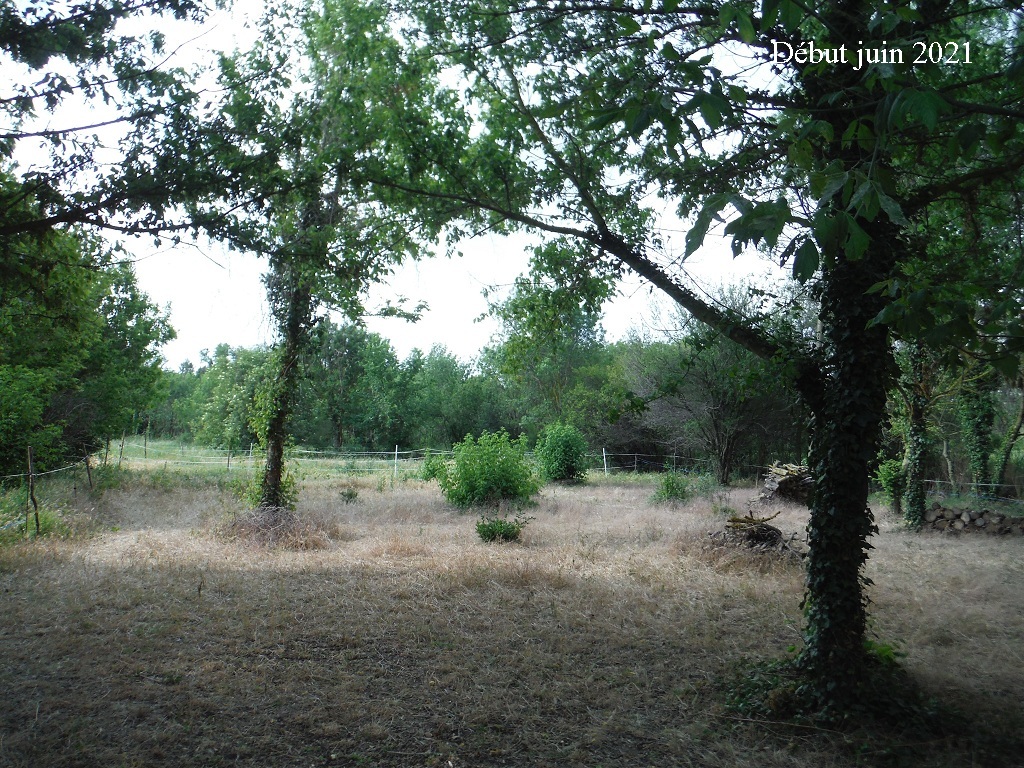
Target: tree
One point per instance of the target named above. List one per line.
(352, 382)
(569, 116)
(79, 348)
(550, 330)
(289, 148)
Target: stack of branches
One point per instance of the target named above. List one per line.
(756, 533)
(792, 482)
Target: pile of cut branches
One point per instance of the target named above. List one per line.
(756, 533)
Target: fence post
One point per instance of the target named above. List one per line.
(395, 476)
(634, 463)
(229, 460)
(120, 454)
(604, 457)
(31, 494)
(88, 471)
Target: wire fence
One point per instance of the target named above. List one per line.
(136, 454)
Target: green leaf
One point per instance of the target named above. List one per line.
(857, 240)
(708, 214)
(806, 262)
(892, 209)
(746, 27)
(628, 25)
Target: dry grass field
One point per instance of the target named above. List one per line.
(389, 635)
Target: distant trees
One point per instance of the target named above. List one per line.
(79, 348)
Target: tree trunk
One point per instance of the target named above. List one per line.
(847, 402)
(917, 440)
(293, 304)
(1012, 436)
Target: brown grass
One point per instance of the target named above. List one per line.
(607, 637)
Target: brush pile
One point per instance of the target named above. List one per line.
(755, 533)
(972, 521)
(792, 482)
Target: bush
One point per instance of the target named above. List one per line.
(434, 466)
(674, 487)
(500, 528)
(487, 471)
(893, 479)
(562, 453)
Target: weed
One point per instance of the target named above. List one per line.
(492, 528)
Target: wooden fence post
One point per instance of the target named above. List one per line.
(604, 456)
(88, 471)
(31, 494)
(120, 454)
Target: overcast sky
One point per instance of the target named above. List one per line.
(216, 296)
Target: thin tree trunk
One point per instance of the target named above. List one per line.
(917, 440)
(1010, 440)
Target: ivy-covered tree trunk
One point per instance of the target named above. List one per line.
(847, 402)
(294, 304)
(977, 416)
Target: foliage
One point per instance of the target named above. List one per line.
(587, 112)
(673, 487)
(79, 349)
(491, 528)
(893, 478)
(488, 471)
(550, 329)
(562, 453)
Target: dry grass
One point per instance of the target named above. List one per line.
(606, 637)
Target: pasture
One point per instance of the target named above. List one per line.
(389, 635)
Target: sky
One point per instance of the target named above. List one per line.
(216, 296)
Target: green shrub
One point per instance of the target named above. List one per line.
(434, 466)
(674, 487)
(562, 453)
(491, 528)
(893, 479)
(488, 471)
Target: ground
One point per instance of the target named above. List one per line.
(612, 635)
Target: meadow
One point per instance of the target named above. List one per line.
(145, 632)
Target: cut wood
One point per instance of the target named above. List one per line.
(788, 481)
